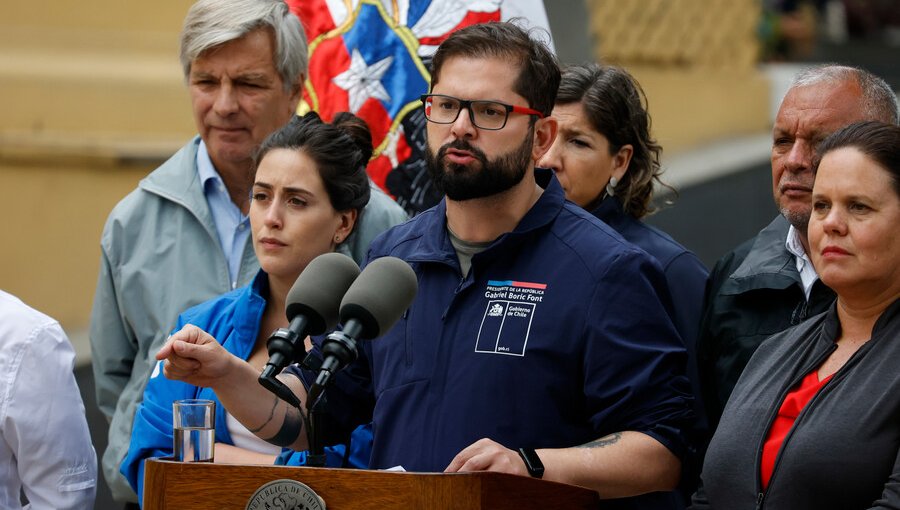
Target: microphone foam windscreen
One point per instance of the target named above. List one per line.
(318, 291)
(383, 291)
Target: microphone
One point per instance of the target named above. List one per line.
(372, 305)
(312, 309)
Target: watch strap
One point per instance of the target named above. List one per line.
(532, 462)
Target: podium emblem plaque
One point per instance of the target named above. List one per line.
(285, 494)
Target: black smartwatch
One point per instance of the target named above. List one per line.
(532, 462)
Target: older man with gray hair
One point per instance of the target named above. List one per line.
(181, 237)
(768, 283)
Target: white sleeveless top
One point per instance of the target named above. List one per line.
(245, 439)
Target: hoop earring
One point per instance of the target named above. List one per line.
(611, 186)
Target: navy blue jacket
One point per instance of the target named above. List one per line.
(685, 274)
(686, 278)
(556, 337)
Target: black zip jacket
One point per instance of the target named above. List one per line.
(752, 293)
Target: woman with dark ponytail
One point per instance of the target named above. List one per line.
(309, 189)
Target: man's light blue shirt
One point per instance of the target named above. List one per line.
(232, 226)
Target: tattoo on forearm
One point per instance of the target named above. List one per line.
(269, 419)
(603, 441)
(290, 429)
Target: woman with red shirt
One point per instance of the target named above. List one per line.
(814, 421)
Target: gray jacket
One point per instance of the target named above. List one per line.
(160, 256)
(843, 451)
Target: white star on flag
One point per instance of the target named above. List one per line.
(363, 81)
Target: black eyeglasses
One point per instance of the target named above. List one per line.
(491, 115)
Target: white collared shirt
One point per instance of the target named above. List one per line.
(45, 445)
(807, 272)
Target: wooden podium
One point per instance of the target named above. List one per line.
(176, 485)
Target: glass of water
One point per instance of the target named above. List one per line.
(195, 433)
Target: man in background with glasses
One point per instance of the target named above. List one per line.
(539, 343)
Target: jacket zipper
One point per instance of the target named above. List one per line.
(760, 493)
(800, 312)
(460, 286)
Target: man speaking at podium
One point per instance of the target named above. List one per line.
(539, 342)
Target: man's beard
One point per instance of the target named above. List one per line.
(799, 219)
(797, 215)
(484, 179)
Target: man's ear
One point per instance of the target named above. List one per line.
(297, 92)
(544, 134)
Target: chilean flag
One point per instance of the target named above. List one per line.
(371, 57)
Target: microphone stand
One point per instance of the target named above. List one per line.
(313, 422)
(339, 349)
(285, 342)
(312, 418)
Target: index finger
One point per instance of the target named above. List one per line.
(166, 350)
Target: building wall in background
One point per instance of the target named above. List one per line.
(54, 214)
(697, 63)
(93, 99)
